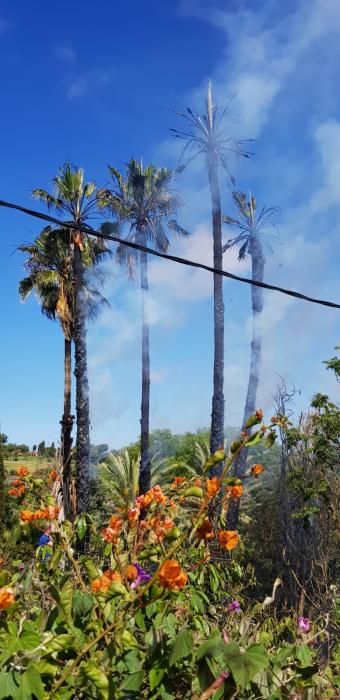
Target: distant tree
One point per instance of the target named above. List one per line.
(98, 452)
(34, 448)
(143, 201)
(41, 448)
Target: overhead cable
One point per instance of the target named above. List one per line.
(173, 258)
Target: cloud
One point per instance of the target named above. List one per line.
(65, 52)
(185, 283)
(327, 137)
(83, 85)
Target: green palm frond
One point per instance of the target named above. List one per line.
(26, 286)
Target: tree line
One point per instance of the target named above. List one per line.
(141, 206)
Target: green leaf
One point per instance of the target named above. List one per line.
(183, 647)
(304, 655)
(82, 603)
(62, 641)
(29, 684)
(212, 647)
(133, 682)
(97, 677)
(269, 440)
(139, 620)
(29, 640)
(156, 674)
(254, 439)
(245, 665)
(81, 527)
(8, 686)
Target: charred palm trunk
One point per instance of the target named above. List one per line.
(66, 431)
(82, 386)
(258, 261)
(145, 469)
(217, 413)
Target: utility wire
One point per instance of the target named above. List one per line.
(182, 261)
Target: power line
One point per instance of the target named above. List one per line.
(182, 261)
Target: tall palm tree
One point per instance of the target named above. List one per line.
(205, 137)
(144, 201)
(76, 200)
(50, 276)
(254, 230)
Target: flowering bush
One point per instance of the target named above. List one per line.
(154, 608)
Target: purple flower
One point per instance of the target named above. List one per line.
(234, 606)
(21, 567)
(142, 576)
(304, 624)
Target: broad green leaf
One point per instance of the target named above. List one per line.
(183, 647)
(245, 665)
(139, 619)
(155, 675)
(82, 603)
(269, 440)
(8, 686)
(29, 684)
(81, 527)
(212, 647)
(304, 654)
(29, 640)
(133, 682)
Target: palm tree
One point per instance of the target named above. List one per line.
(50, 275)
(205, 137)
(120, 475)
(254, 228)
(76, 200)
(144, 201)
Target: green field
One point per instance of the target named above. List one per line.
(32, 463)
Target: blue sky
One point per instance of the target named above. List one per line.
(97, 86)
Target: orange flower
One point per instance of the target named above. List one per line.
(51, 512)
(160, 525)
(171, 575)
(154, 495)
(133, 515)
(205, 530)
(213, 486)
(22, 471)
(102, 584)
(53, 475)
(259, 413)
(235, 491)
(198, 482)
(17, 482)
(27, 516)
(7, 597)
(131, 572)
(178, 481)
(228, 539)
(18, 491)
(257, 469)
(116, 523)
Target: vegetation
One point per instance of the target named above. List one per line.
(149, 580)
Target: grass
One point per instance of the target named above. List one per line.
(32, 463)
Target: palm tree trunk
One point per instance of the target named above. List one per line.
(145, 470)
(82, 387)
(257, 261)
(217, 413)
(66, 431)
